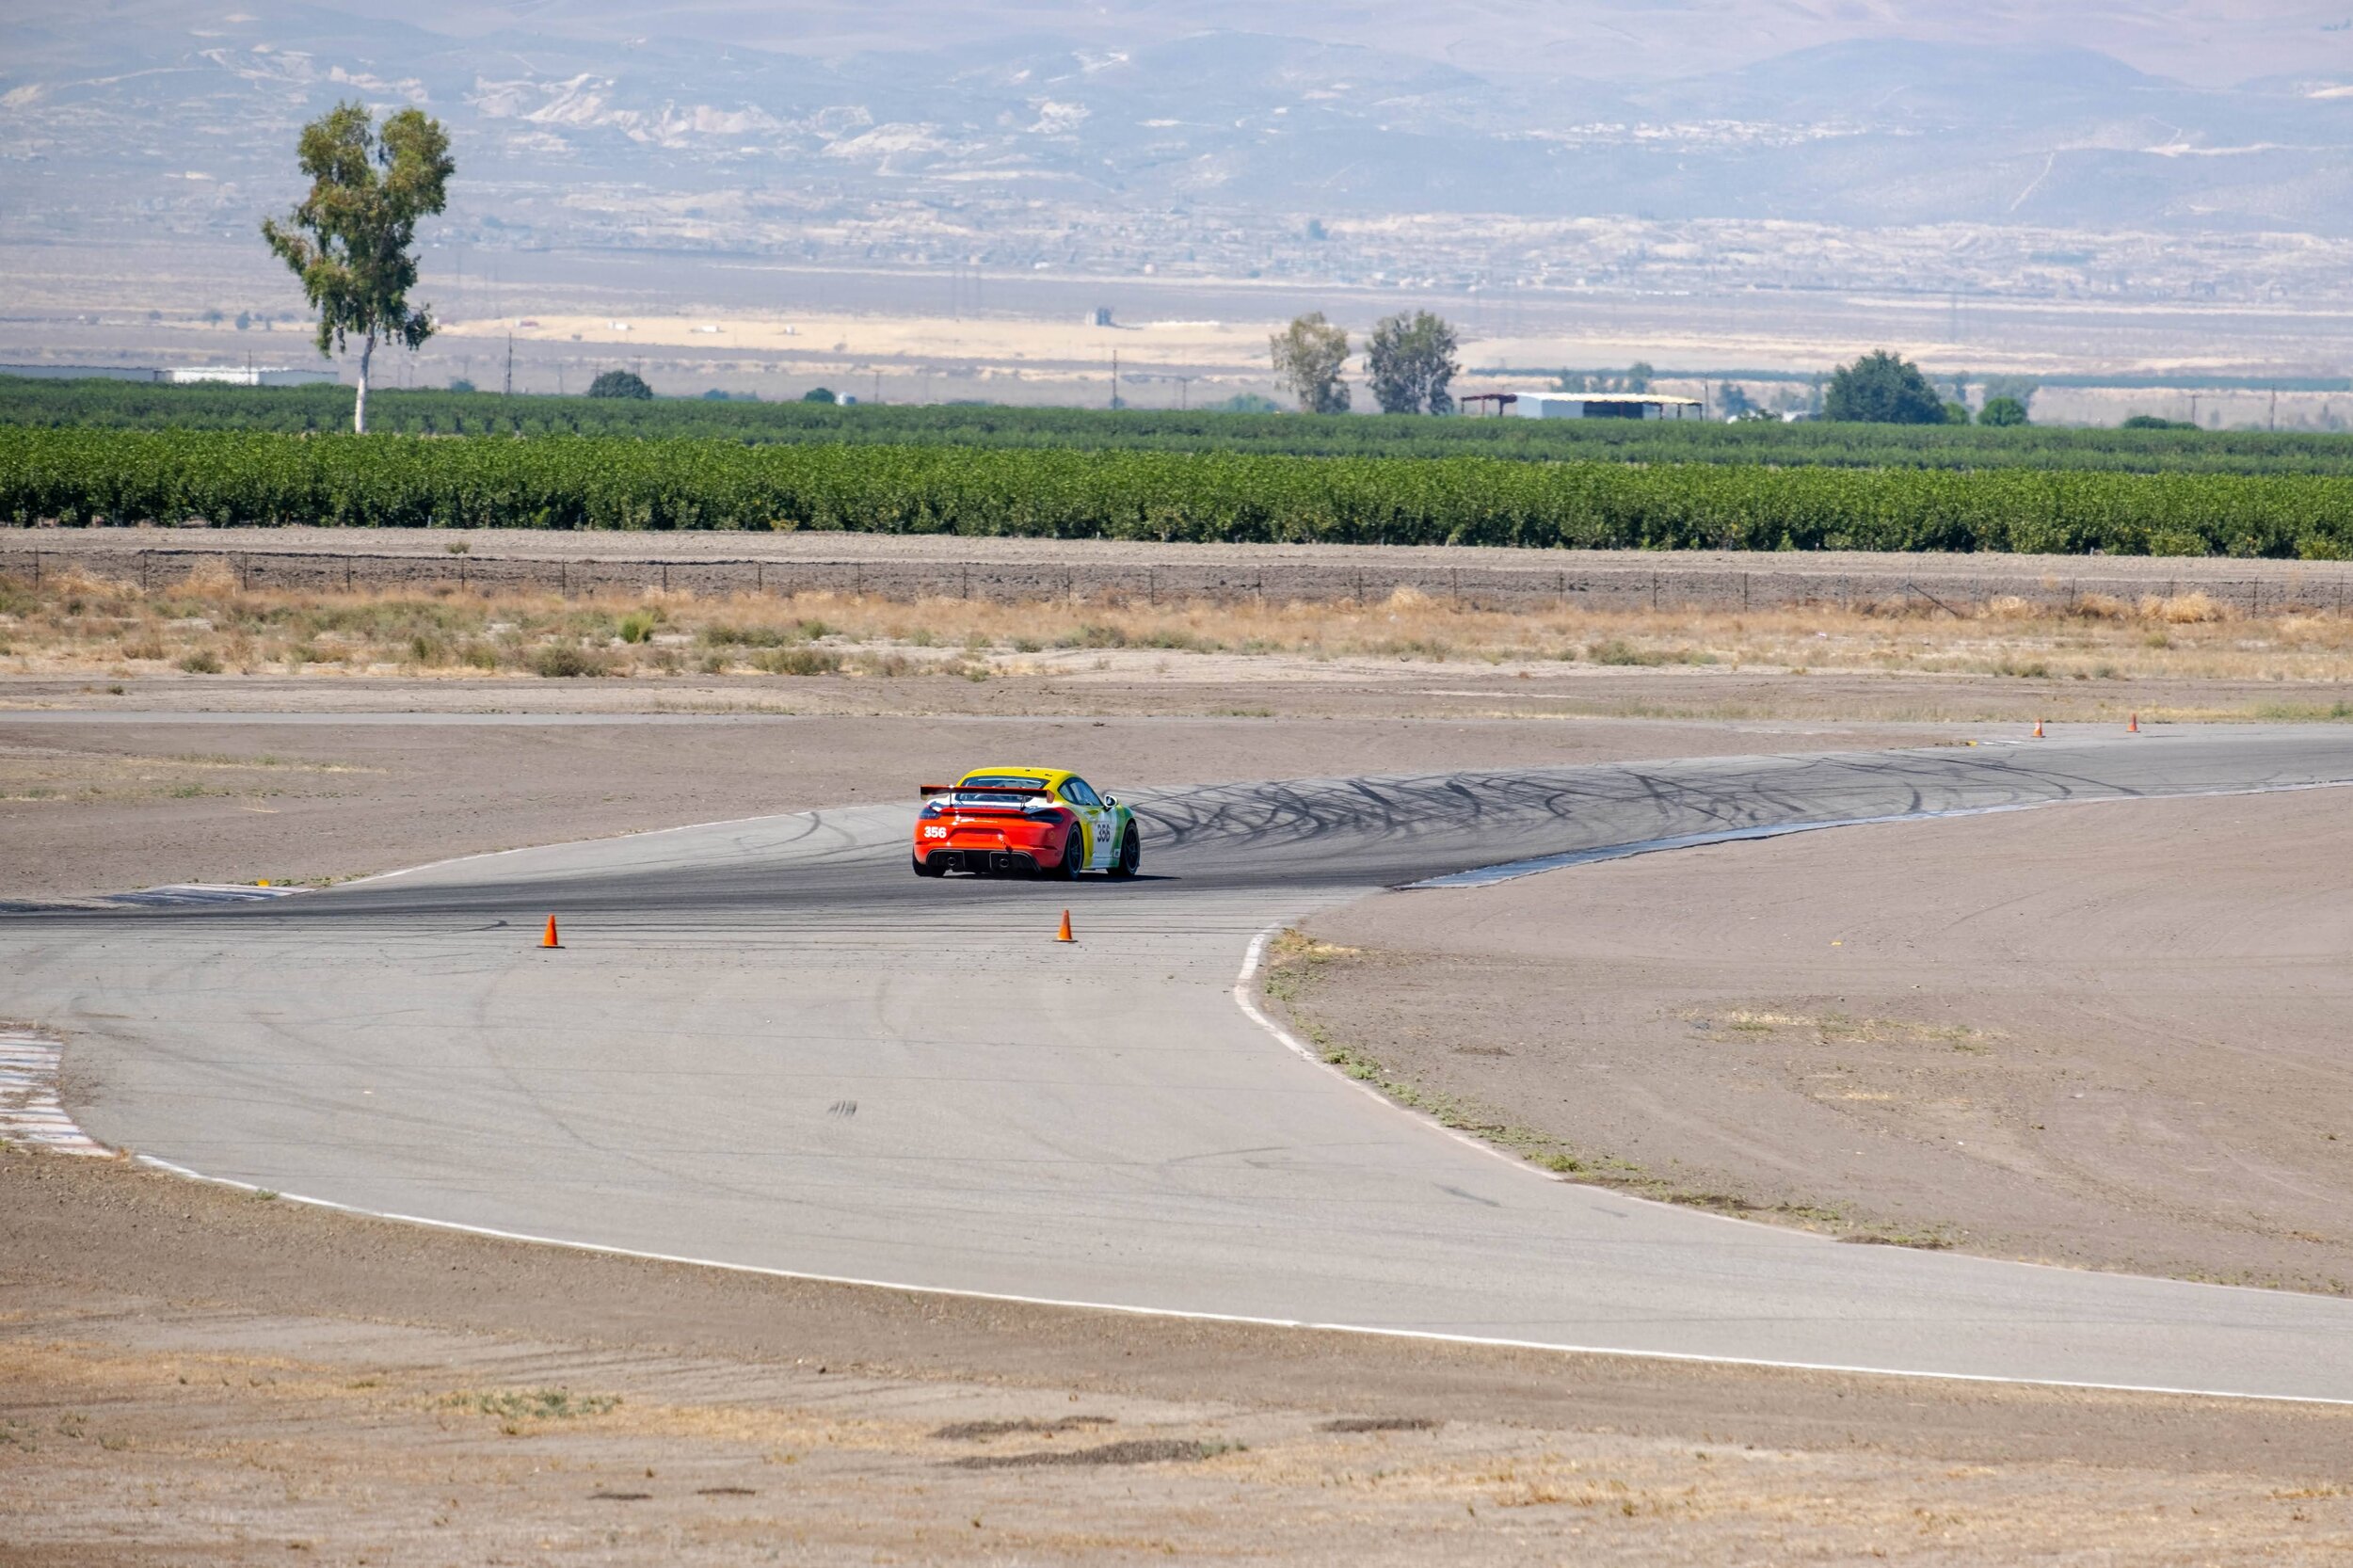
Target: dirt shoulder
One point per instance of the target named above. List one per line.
(1870, 570)
(192, 1373)
(2110, 1036)
(90, 807)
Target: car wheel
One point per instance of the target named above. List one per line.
(924, 867)
(1073, 856)
(1130, 854)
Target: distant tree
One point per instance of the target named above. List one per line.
(351, 240)
(245, 319)
(1411, 363)
(2152, 422)
(2003, 413)
(620, 383)
(819, 394)
(1638, 376)
(1316, 229)
(1308, 356)
(1956, 413)
(2020, 388)
(1569, 383)
(1243, 403)
(1882, 389)
(1733, 401)
(459, 384)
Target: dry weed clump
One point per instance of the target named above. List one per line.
(2188, 609)
(206, 623)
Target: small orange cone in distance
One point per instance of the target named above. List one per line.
(2134, 728)
(548, 940)
(2037, 729)
(1063, 935)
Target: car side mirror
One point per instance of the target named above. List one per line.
(1110, 800)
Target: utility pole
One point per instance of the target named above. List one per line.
(1115, 377)
(2275, 410)
(510, 364)
(877, 397)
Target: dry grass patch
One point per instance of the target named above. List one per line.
(77, 623)
(1832, 1028)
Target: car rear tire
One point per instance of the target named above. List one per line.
(924, 867)
(1130, 854)
(1073, 856)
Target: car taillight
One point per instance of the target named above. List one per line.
(933, 808)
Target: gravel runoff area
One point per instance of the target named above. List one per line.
(2110, 1035)
(194, 1374)
(956, 566)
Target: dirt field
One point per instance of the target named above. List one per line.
(190, 1374)
(2108, 1035)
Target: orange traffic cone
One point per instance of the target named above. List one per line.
(2134, 728)
(2037, 729)
(548, 940)
(1063, 935)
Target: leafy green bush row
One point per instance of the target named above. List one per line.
(83, 476)
(325, 409)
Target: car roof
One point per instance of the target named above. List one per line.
(1049, 778)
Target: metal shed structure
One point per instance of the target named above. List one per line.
(1558, 405)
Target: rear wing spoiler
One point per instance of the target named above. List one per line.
(929, 790)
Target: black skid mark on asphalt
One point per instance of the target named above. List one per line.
(844, 1109)
(1472, 1197)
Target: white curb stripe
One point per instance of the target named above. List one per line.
(30, 1111)
(173, 895)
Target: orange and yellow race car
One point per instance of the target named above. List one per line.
(1024, 821)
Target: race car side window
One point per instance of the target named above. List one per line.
(1075, 792)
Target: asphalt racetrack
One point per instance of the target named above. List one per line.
(765, 1043)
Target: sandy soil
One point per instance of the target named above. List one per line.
(842, 343)
(2108, 1035)
(1136, 684)
(97, 808)
(190, 1374)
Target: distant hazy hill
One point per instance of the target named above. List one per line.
(2211, 42)
(745, 124)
